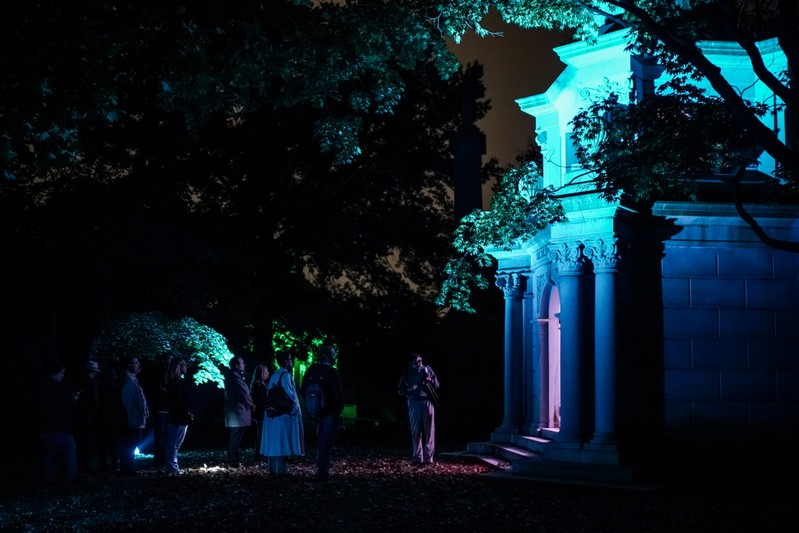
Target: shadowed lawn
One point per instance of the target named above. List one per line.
(373, 489)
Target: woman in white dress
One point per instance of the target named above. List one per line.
(283, 436)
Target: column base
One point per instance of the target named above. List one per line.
(585, 453)
(604, 439)
(505, 433)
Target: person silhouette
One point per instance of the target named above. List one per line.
(179, 408)
(326, 376)
(87, 411)
(258, 388)
(284, 435)
(238, 409)
(136, 413)
(419, 384)
(56, 417)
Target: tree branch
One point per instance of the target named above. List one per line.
(691, 54)
(760, 233)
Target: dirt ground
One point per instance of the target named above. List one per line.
(373, 488)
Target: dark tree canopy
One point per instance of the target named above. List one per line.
(230, 162)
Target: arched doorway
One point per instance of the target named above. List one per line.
(550, 360)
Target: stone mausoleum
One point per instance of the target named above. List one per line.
(636, 341)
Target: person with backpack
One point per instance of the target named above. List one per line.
(283, 435)
(324, 402)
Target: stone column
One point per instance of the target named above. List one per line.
(529, 361)
(570, 262)
(512, 285)
(605, 257)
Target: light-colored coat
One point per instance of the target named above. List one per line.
(284, 435)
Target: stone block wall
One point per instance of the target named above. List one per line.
(730, 328)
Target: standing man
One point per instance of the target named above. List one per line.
(136, 414)
(238, 409)
(56, 416)
(87, 412)
(324, 385)
(419, 384)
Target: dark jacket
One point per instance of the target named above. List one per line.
(258, 393)
(329, 378)
(178, 393)
(419, 384)
(56, 408)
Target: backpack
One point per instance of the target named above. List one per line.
(278, 401)
(315, 399)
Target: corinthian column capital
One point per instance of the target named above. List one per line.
(511, 283)
(568, 258)
(604, 254)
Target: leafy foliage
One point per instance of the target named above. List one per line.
(200, 60)
(197, 181)
(659, 148)
(150, 336)
(520, 208)
(143, 335)
(203, 346)
(302, 345)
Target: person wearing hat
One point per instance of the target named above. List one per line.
(87, 410)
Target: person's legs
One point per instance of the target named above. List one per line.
(234, 445)
(82, 449)
(326, 431)
(176, 436)
(415, 413)
(130, 441)
(70, 455)
(51, 450)
(277, 465)
(428, 432)
(258, 431)
(161, 441)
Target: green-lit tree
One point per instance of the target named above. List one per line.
(151, 336)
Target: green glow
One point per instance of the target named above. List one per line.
(151, 335)
(303, 345)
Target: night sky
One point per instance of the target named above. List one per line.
(520, 63)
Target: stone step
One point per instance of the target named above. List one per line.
(490, 460)
(532, 457)
(609, 475)
(506, 451)
(535, 444)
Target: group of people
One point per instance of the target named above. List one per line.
(100, 425)
(282, 436)
(105, 419)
